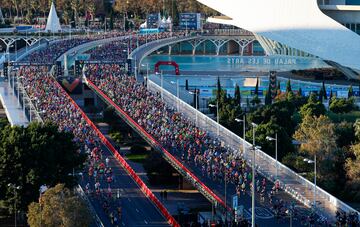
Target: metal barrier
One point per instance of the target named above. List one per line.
(24, 100)
(296, 185)
(82, 194)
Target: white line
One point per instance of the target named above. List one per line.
(123, 223)
(137, 210)
(145, 222)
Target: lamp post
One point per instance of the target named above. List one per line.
(15, 189)
(276, 152)
(244, 130)
(313, 162)
(177, 93)
(196, 112)
(147, 71)
(217, 116)
(70, 28)
(253, 178)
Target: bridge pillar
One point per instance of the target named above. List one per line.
(170, 49)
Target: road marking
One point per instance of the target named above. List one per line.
(145, 222)
(129, 199)
(137, 210)
(123, 223)
(262, 213)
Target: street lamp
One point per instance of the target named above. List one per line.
(313, 162)
(177, 93)
(70, 28)
(244, 130)
(276, 152)
(15, 188)
(196, 112)
(161, 84)
(217, 116)
(253, 178)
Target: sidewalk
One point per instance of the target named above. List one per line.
(13, 110)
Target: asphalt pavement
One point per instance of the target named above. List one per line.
(137, 210)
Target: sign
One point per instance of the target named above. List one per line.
(58, 69)
(235, 201)
(152, 20)
(272, 81)
(190, 21)
(79, 65)
(6, 69)
(262, 61)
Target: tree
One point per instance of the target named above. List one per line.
(218, 90)
(288, 86)
(317, 136)
(255, 101)
(237, 94)
(352, 167)
(324, 90)
(313, 107)
(268, 99)
(300, 92)
(350, 92)
(33, 156)
(256, 92)
(278, 88)
(270, 129)
(58, 206)
(342, 105)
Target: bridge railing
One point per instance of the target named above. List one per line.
(228, 32)
(297, 186)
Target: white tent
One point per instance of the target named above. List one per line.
(144, 25)
(2, 21)
(53, 24)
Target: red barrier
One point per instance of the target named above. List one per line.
(91, 85)
(126, 166)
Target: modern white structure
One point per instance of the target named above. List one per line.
(293, 27)
(53, 23)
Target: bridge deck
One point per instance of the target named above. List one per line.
(13, 110)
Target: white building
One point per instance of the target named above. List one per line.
(328, 29)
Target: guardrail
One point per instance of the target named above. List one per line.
(125, 165)
(82, 194)
(296, 185)
(177, 164)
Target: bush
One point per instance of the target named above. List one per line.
(342, 105)
(116, 136)
(137, 149)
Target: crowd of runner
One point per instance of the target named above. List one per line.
(56, 106)
(177, 133)
(118, 50)
(172, 129)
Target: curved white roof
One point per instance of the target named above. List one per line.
(297, 23)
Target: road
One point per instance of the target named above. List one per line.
(265, 216)
(137, 210)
